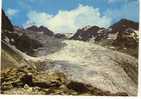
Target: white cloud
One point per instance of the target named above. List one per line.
(11, 12)
(69, 21)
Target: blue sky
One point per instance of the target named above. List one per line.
(68, 15)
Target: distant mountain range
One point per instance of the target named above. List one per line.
(99, 33)
(122, 34)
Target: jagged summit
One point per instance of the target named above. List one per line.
(123, 24)
(42, 29)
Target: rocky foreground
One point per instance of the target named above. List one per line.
(25, 80)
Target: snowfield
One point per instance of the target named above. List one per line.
(92, 64)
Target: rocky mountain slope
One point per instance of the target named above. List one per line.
(6, 24)
(122, 36)
(123, 24)
(88, 33)
(17, 37)
(65, 67)
(99, 33)
(128, 33)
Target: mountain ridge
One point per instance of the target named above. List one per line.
(42, 29)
